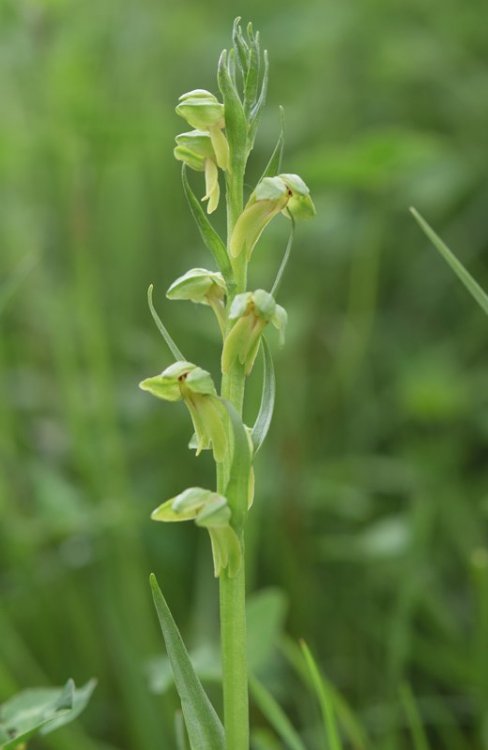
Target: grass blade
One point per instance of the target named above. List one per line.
(266, 407)
(204, 727)
(275, 715)
(324, 698)
(162, 328)
(419, 737)
(463, 275)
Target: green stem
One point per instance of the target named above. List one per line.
(233, 590)
(233, 609)
(234, 659)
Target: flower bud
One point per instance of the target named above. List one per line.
(283, 193)
(187, 382)
(203, 111)
(252, 311)
(196, 150)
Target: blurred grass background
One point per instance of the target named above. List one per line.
(372, 506)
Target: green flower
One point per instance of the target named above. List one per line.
(196, 150)
(187, 382)
(286, 193)
(203, 287)
(211, 511)
(252, 311)
(203, 111)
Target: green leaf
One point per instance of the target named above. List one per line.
(266, 612)
(273, 166)
(286, 258)
(266, 407)
(208, 234)
(180, 732)
(275, 715)
(204, 727)
(256, 110)
(41, 710)
(349, 723)
(463, 275)
(237, 487)
(240, 46)
(161, 327)
(252, 81)
(414, 720)
(325, 700)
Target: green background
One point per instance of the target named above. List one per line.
(372, 501)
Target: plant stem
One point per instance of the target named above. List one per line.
(233, 610)
(234, 659)
(233, 590)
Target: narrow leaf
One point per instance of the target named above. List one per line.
(273, 166)
(180, 732)
(235, 118)
(350, 725)
(265, 414)
(463, 275)
(256, 110)
(252, 81)
(162, 328)
(238, 484)
(240, 46)
(325, 702)
(208, 234)
(419, 737)
(286, 258)
(204, 727)
(275, 715)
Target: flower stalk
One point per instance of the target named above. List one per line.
(219, 146)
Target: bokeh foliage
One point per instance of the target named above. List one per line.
(373, 505)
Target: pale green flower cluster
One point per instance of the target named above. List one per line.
(220, 142)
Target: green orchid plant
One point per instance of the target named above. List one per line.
(224, 130)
